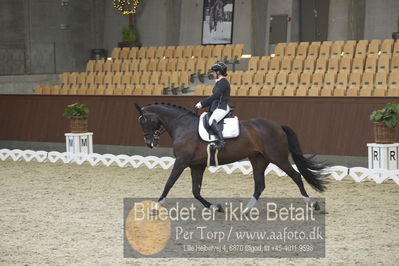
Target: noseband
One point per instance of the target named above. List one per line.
(158, 132)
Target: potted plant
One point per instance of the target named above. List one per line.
(385, 120)
(129, 34)
(129, 37)
(77, 113)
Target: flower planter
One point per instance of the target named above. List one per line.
(383, 134)
(78, 125)
(129, 44)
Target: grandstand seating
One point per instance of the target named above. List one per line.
(148, 67)
(340, 68)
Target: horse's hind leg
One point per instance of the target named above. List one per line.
(197, 173)
(296, 176)
(259, 165)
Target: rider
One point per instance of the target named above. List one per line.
(218, 101)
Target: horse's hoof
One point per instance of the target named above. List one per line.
(316, 206)
(216, 207)
(154, 212)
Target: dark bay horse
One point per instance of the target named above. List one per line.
(260, 140)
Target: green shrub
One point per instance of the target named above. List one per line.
(76, 110)
(387, 115)
(129, 34)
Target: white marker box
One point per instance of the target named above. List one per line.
(79, 142)
(383, 156)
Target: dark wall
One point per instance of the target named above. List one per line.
(32, 41)
(325, 125)
(12, 26)
(12, 37)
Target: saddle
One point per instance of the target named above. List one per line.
(229, 125)
(230, 129)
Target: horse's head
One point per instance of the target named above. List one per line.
(151, 125)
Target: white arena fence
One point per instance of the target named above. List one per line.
(358, 174)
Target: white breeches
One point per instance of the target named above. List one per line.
(218, 115)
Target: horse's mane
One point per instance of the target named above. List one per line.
(170, 105)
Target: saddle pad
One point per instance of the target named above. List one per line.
(231, 129)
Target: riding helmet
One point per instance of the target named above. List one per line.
(221, 67)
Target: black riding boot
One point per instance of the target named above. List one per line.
(220, 144)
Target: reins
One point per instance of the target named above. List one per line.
(157, 133)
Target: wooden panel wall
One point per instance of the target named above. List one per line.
(325, 125)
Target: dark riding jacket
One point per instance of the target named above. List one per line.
(220, 96)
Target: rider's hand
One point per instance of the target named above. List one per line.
(198, 105)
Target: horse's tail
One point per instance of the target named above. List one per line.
(311, 170)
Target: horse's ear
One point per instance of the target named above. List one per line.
(138, 108)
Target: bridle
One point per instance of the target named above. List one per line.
(156, 135)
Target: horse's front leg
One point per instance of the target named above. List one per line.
(177, 170)
(197, 173)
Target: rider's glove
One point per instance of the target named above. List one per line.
(198, 105)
